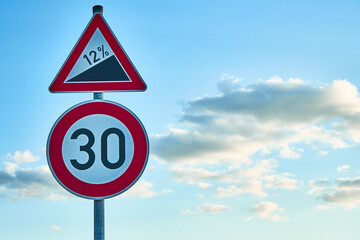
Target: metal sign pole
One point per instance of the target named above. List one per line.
(99, 233)
(99, 220)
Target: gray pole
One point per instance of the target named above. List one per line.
(99, 218)
(99, 233)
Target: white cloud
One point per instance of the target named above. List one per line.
(318, 185)
(141, 189)
(257, 186)
(56, 228)
(10, 167)
(213, 208)
(253, 178)
(343, 168)
(165, 191)
(195, 176)
(264, 117)
(254, 187)
(287, 152)
(267, 210)
(208, 208)
(23, 157)
(144, 189)
(186, 211)
(282, 181)
(323, 207)
(323, 153)
(321, 182)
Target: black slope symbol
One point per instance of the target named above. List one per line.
(106, 71)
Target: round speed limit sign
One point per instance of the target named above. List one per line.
(97, 149)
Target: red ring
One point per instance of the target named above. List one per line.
(105, 190)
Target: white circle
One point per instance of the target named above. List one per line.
(98, 173)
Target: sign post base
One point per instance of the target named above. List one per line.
(99, 231)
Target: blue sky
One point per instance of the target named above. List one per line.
(252, 110)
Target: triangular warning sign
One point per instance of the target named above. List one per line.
(97, 63)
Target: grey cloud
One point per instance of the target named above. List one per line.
(5, 177)
(320, 182)
(175, 146)
(346, 182)
(345, 196)
(197, 119)
(283, 101)
(345, 192)
(30, 176)
(30, 183)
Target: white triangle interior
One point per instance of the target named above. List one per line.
(96, 51)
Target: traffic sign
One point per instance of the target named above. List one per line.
(97, 63)
(97, 149)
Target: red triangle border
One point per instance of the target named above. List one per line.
(97, 21)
